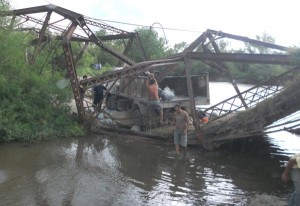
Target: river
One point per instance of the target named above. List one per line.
(98, 170)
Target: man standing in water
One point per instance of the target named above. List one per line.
(293, 168)
(181, 121)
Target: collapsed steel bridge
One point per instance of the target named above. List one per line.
(51, 22)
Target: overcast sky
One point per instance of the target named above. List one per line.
(277, 18)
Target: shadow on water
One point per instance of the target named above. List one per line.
(101, 171)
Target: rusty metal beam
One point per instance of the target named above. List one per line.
(143, 66)
(126, 50)
(45, 8)
(196, 43)
(67, 14)
(187, 62)
(41, 35)
(105, 26)
(222, 64)
(73, 16)
(81, 52)
(211, 63)
(117, 36)
(79, 19)
(47, 38)
(101, 44)
(248, 40)
(71, 69)
(201, 39)
(281, 59)
(31, 10)
(140, 46)
(84, 39)
(63, 12)
(30, 18)
(127, 71)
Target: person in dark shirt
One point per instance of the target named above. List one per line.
(98, 95)
(82, 90)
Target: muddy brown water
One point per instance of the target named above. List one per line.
(98, 170)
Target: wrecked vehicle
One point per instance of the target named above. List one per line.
(127, 101)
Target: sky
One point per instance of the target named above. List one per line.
(249, 18)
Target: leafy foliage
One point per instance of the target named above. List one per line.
(91, 71)
(32, 106)
(153, 45)
(177, 48)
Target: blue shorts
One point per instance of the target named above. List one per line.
(155, 105)
(295, 175)
(180, 138)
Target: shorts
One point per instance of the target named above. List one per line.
(154, 105)
(180, 138)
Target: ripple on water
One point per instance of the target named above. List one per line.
(42, 175)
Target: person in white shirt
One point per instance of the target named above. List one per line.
(293, 169)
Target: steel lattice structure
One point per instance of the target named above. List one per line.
(67, 26)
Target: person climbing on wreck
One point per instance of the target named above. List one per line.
(98, 96)
(181, 121)
(202, 116)
(81, 88)
(153, 98)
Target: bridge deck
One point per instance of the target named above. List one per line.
(235, 124)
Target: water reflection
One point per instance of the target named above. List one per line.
(96, 170)
(285, 143)
(220, 189)
(99, 171)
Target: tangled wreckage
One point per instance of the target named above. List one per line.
(131, 96)
(125, 111)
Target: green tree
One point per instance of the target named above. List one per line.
(32, 106)
(4, 6)
(255, 49)
(177, 48)
(154, 45)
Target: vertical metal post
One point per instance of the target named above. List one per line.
(126, 50)
(141, 47)
(81, 52)
(71, 69)
(187, 62)
(200, 40)
(41, 35)
(230, 77)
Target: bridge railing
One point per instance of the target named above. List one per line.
(251, 96)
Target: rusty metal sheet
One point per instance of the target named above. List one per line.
(248, 40)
